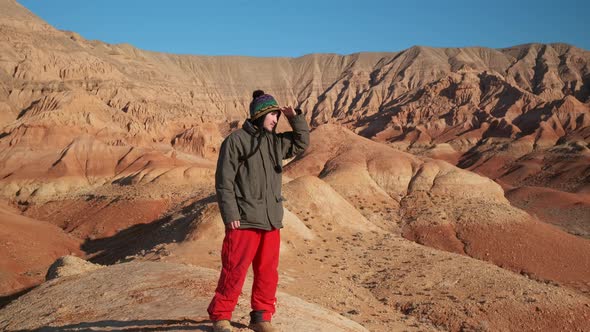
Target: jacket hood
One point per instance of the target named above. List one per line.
(251, 129)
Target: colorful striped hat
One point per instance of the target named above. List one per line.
(261, 104)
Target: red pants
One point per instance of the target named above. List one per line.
(241, 247)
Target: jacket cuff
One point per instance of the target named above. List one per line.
(298, 112)
(297, 118)
(227, 219)
(229, 212)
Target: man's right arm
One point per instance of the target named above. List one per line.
(225, 175)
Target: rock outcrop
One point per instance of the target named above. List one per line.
(148, 295)
(69, 266)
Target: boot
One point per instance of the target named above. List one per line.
(222, 326)
(258, 324)
(264, 326)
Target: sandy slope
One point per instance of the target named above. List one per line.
(148, 296)
(568, 211)
(28, 247)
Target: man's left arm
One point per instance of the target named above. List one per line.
(296, 141)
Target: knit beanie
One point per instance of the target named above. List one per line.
(261, 104)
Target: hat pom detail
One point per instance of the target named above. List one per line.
(257, 94)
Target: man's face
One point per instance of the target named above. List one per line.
(270, 120)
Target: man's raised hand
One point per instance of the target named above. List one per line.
(288, 111)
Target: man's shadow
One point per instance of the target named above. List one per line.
(135, 326)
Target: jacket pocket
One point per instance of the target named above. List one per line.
(276, 209)
(250, 209)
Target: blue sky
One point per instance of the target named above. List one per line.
(297, 27)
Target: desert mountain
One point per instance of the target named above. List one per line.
(506, 113)
(484, 109)
(444, 188)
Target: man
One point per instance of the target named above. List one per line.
(248, 187)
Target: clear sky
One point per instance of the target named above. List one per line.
(297, 27)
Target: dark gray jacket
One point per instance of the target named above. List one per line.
(250, 190)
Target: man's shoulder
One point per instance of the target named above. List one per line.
(237, 135)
